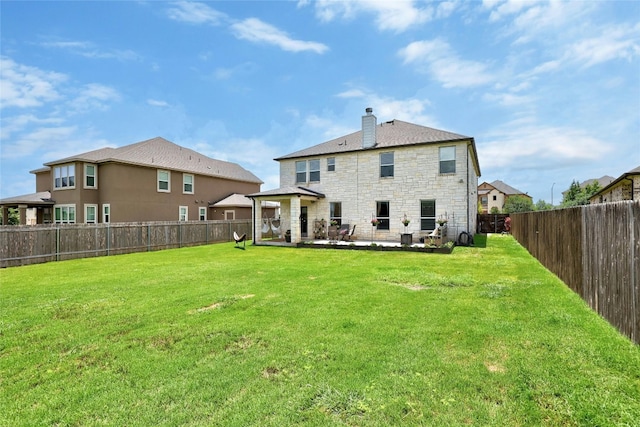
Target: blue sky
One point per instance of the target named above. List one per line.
(549, 90)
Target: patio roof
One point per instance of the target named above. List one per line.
(42, 198)
(287, 192)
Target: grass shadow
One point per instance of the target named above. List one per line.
(480, 240)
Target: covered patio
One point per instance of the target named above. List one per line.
(36, 208)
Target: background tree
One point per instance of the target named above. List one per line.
(543, 206)
(494, 210)
(517, 204)
(577, 196)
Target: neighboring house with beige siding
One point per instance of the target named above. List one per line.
(153, 180)
(383, 171)
(495, 195)
(625, 187)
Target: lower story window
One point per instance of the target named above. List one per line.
(335, 213)
(106, 213)
(382, 214)
(202, 214)
(64, 214)
(90, 214)
(183, 213)
(427, 215)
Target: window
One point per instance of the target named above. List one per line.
(495, 197)
(64, 176)
(386, 165)
(90, 214)
(331, 164)
(382, 214)
(335, 212)
(187, 183)
(301, 172)
(106, 213)
(90, 176)
(314, 170)
(183, 214)
(229, 215)
(427, 215)
(202, 214)
(64, 214)
(164, 181)
(448, 159)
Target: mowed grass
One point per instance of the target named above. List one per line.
(268, 336)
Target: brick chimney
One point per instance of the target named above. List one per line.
(369, 129)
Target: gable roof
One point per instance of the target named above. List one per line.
(391, 134)
(506, 189)
(161, 153)
(614, 182)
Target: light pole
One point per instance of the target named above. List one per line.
(552, 193)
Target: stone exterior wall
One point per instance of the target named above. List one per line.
(357, 184)
(628, 189)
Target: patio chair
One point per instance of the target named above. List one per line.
(349, 235)
(343, 231)
(240, 239)
(434, 236)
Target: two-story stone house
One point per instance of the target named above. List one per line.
(385, 172)
(153, 180)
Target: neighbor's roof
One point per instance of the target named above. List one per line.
(633, 172)
(160, 153)
(391, 134)
(42, 198)
(506, 189)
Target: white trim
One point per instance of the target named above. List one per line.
(69, 208)
(95, 176)
(106, 213)
(183, 213)
(86, 213)
(202, 213)
(193, 182)
(233, 215)
(168, 189)
(59, 168)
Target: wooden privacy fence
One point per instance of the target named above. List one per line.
(22, 245)
(595, 250)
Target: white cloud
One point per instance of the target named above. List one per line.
(619, 42)
(437, 58)
(395, 16)
(93, 96)
(90, 50)
(24, 86)
(157, 103)
(195, 13)
(524, 144)
(257, 31)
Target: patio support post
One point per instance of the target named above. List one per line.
(257, 220)
(22, 209)
(295, 211)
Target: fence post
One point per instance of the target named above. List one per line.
(58, 243)
(634, 297)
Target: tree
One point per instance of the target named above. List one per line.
(494, 210)
(577, 196)
(517, 204)
(543, 206)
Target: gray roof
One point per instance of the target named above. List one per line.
(506, 189)
(603, 181)
(394, 133)
(160, 153)
(40, 198)
(288, 191)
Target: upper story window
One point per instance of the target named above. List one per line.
(90, 176)
(386, 165)
(448, 159)
(164, 181)
(314, 170)
(331, 164)
(187, 183)
(64, 176)
(301, 172)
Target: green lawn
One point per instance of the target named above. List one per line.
(269, 336)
